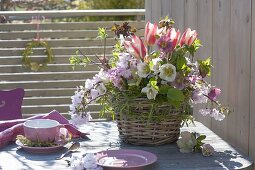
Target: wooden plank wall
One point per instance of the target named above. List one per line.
(52, 87)
(226, 29)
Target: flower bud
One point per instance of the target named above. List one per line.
(214, 93)
(150, 33)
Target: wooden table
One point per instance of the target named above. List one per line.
(102, 133)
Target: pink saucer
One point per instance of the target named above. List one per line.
(40, 150)
(125, 159)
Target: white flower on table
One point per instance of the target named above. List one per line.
(187, 142)
(76, 163)
(143, 70)
(150, 91)
(167, 72)
(90, 162)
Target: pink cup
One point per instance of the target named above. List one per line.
(43, 130)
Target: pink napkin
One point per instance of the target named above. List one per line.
(9, 129)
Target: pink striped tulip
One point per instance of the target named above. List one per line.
(188, 37)
(174, 36)
(136, 47)
(150, 33)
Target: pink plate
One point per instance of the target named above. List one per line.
(40, 150)
(125, 159)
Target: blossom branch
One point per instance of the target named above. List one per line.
(99, 96)
(91, 61)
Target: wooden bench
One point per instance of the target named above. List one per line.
(52, 87)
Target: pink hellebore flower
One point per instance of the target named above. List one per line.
(168, 42)
(188, 37)
(136, 47)
(150, 33)
(214, 93)
(207, 150)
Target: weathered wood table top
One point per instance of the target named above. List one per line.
(102, 133)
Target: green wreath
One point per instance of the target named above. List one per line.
(35, 66)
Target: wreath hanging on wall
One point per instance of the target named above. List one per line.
(36, 43)
(29, 63)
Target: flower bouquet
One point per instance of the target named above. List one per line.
(149, 85)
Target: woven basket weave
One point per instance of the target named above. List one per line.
(138, 130)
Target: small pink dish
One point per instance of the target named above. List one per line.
(125, 159)
(43, 130)
(40, 150)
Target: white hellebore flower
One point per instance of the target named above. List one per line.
(143, 70)
(186, 142)
(167, 72)
(151, 92)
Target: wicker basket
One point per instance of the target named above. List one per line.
(135, 127)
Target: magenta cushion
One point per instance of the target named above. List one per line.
(10, 104)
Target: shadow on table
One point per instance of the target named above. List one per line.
(226, 159)
(176, 160)
(40, 156)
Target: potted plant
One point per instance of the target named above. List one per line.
(149, 85)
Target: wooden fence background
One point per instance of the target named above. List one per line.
(52, 87)
(227, 31)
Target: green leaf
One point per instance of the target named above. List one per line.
(164, 89)
(201, 137)
(205, 67)
(102, 33)
(153, 83)
(197, 44)
(176, 104)
(181, 63)
(175, 94)
(151, 65)
(175, 97)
